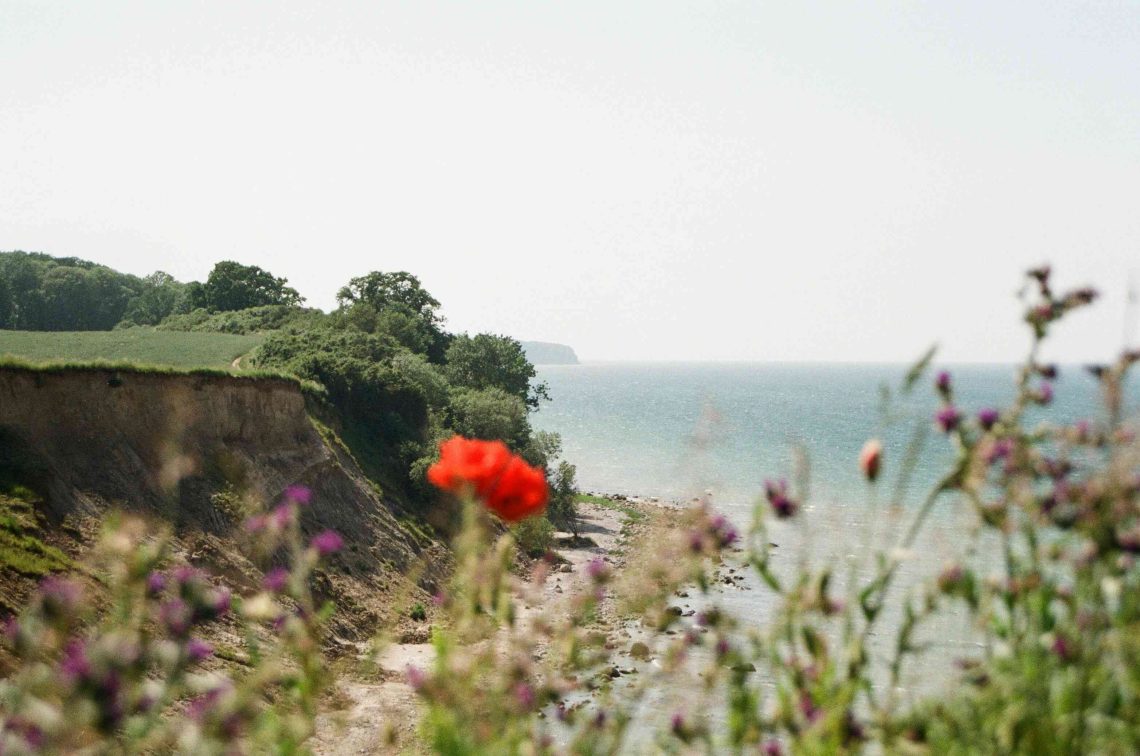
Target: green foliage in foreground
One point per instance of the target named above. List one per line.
(119, 664)
(137, 345)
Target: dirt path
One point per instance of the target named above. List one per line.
(380, 715)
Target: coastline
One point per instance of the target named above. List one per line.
(378, 712)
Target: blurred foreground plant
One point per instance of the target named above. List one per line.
(130, 674)
(1058, 670)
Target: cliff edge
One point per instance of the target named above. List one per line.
(202, 452)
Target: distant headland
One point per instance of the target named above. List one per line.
(545, 353)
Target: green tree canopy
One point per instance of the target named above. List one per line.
(399, 290)
(47, 293)
(159, 297)
(233, 286)
(489, 361)
(395, 304)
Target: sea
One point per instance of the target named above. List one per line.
(679, 431)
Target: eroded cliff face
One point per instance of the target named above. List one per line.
(202, 453)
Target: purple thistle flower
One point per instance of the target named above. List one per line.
(32, 735)
(987, 418)
(197, 650)
(299, 494)
(723, 531)
(75, 666)
(219, 602)
(677, 723)
(777, 493)
(176, 616)
(696, 541)
(283, 515)
(1062, 647)
(525, 696)
(146, 702)
(188, 577)
(597, 569)
(60, 597)
(942, 383)
(438, 599)
(1083, 429)
(1044, 394)
(808, 708)
(256, 524)
(276, 579)
(327, 542)
(948, 418)
(415, 677)
(199, 708)
(1001, 449)
(772, 748)
(155, 584)
(1129, 541)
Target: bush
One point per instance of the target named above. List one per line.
(563, 509)
(534, 535)
(489, 414)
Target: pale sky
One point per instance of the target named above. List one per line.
(640, 180)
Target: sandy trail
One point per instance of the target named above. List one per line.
(380, 715)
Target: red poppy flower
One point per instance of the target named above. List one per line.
(506, 484)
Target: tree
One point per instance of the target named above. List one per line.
(82, 299)
(398, 305)
(488, 361)
(157, 299)
(22, 274)
(233, 286)
(5, 305)
(399, 290)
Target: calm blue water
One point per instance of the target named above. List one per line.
(676, 430)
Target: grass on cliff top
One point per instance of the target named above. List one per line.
(311, 389)
(135, 345)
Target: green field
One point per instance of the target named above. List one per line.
(137, 345)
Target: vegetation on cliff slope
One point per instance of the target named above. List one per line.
(394, 380)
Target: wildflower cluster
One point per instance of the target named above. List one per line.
(122, 663)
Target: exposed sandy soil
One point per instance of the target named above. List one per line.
(379, 713)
